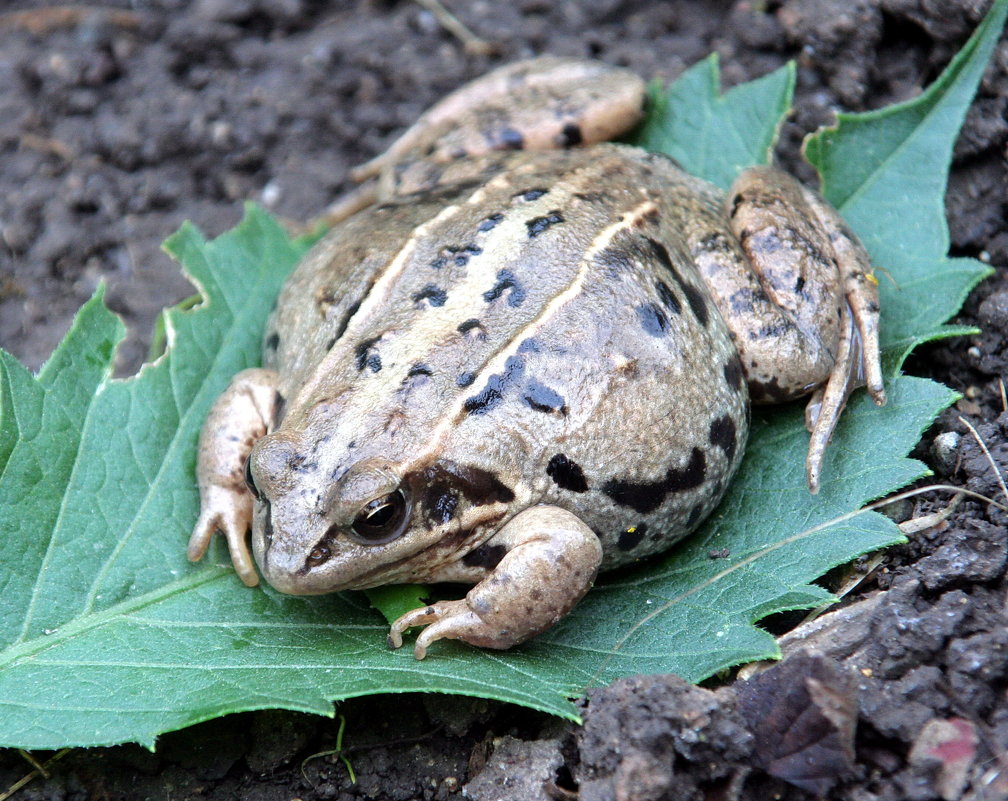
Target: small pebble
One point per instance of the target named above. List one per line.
(945, 451)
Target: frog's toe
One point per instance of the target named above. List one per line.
(452, 620)
(827, 403)
(230, 513)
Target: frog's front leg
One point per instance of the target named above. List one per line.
(239, 417)
(817, 323)
(549, 563)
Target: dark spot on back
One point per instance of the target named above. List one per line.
(630, 538)
(543, 399)
(506, 280)
(695, 516)
(652, 319)
(528, 345)
(668, 297)
(432, 294)
(646, 496)
(539, 224)
(472, 329)
(570, 136)
(697, 302)
(417, 375)
(722, 434)
(510, 139)
(273, 341)
(367, 356)
(733, 373)
(694, 297)
(530, 194)
(466, 378)
(660, 252)
(487, 398)
(591, 197)
(493, 392)
(486, 556)
(489, 223)
(566, 473)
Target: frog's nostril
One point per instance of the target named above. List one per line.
(319, 555)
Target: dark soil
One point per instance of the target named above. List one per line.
(118, 124)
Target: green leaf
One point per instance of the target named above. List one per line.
(110, 635)
(886, 172)
(716, 136)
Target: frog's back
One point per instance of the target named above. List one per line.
(543, 323)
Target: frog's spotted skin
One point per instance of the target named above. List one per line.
(488, 385)
(531, 367)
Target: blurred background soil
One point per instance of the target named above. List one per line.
(119, 121)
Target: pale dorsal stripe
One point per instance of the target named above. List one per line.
(381, 289)
(455, 413)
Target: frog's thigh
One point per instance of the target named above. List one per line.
(538, 104)
(781, 296)
(550, 562)
(239, 417)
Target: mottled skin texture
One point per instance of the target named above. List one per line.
(524, 366)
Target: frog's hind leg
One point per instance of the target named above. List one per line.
(536, 104)
(816, 273)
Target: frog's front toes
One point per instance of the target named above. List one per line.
(229, 511)
(448, 620)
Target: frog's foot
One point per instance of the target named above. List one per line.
(815, 299)
(549, 563)
(239, 417)
(858, 358)
(228, 510)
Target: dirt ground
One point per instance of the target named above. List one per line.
(119, 121)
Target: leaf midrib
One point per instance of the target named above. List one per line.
(86, 622)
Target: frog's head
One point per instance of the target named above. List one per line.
(376, 523)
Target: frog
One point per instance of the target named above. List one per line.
(525, 354)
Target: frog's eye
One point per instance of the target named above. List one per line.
(382, 520)
(249, 481)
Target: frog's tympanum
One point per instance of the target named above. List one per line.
(531, 358)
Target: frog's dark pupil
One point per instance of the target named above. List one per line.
(379, 517)
(382, 519)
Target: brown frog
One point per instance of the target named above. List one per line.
(527, 364)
